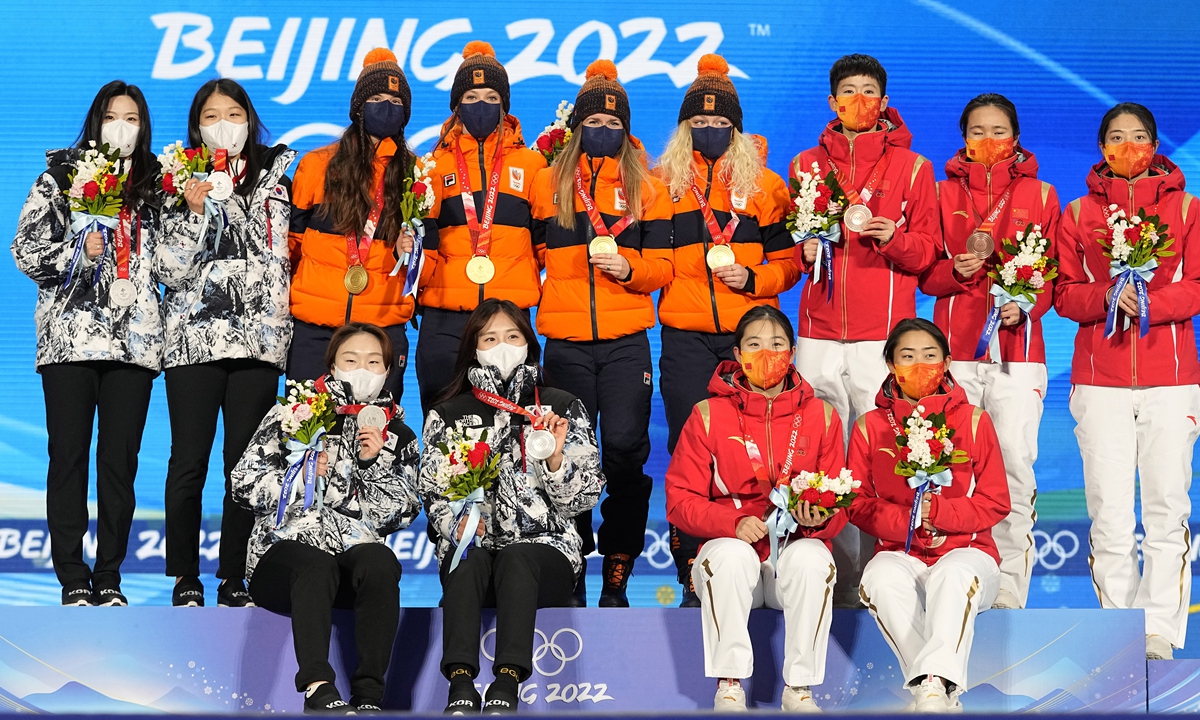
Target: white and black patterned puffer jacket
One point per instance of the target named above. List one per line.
(231, 301)
(363, 502)
(75, 321)
(527, 503)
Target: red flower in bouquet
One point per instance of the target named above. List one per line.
(821, 204)
(828, 499)
(544, 143)
(91, 190)
(169, 184)
(478, 454)
(110, 182)
(935, 446)
(557, 136)
(418, 188)
(812, 496)
(191, 153)
(1025, 272)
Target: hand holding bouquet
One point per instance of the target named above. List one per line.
(468, 468)
(926, 454)
(816, 212)
(305, 416)
(177, 165)
(1021, 276)
(414, 208)
(823, 493)
(1134, 245)
(94, 198)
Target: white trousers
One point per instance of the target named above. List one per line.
(927, 613)
(847, 375)
(1147, 433)
(1012, 393)
(731, 581)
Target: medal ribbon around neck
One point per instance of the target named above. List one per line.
(358, 248)
(594, 215)
(719, 236)
(480, 229)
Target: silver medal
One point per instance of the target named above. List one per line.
(540, 444)
(372, 416)
(122, 293)
(222, 186)
(856, 217)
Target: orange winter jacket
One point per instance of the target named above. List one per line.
(448, 242)
(320, 260)
(694, 299)
(580, 302)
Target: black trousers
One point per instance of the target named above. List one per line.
(516, 580)
(74, 392)
(242, 391)
(613, 379)
(308, 583)
(306, 356)
(685, 367)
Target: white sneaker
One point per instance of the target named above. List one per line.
(799, 700)
(1005, 600)
(931, 697)
(730, 697)
(1159, 648)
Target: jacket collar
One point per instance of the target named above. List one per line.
(868, 147)
(452, 133)
(520, 385)
(996, 179)
(729, 381)
(948, 397)
(1147, 192)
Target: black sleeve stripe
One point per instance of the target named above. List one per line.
(776, 237)
(511, 211)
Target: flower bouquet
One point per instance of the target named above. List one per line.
(823, 493)
(414, 208)
(557, 134)
(926, 454)
(1020, 277)
(816, 211)
(177, 165)
(305, 416)
(1134, 245)
(468, 467)
(94, 198)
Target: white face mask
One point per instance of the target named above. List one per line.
(119, 135)
(224, 135)
(365, 384)
(503, 357)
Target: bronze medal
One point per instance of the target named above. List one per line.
(480, 269)
(981, 244)
(856, 217)
(356, 279)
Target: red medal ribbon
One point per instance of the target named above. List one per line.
(502, 403)
(356, 252)
(990, 221)
(856, 197)
(123, 242)
(761, 471)
(220, 158)
(481, 231)
(719, 236)
(594, 214)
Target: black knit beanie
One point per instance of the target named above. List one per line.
(479, 69)
(380, 74)
(712, 93)
(601, 93)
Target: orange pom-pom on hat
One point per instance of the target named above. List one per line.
(380, 74)
(380, 54)
(478, 47)
(712, 93)
(479, 69)
(601, 93)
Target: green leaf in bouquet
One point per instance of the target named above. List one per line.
(443, 448)
(960, 456)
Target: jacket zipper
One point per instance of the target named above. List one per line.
(483, 179)
(1133, 335)
(712, 290)
(771, 469)
(846, 261)
(591, 267)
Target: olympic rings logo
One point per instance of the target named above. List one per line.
(1054, 551)
(549, 646)
(658, 545)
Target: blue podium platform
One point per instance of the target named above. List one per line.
(220, 660)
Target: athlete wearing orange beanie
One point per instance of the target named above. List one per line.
(480, 248)
(603, 225)
(345, 247)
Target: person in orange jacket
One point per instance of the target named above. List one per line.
(992, 187)
(732, 251)
(603, 225)
(480, 248)
(344, 247)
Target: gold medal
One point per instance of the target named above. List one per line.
(856, 217)
(720, 256)
(602, 245)
(480, 269)
(356, 279)
(981, 244)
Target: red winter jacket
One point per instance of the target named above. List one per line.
(963, 304)
(964, 511)
(874, 287)
(1167, 355)
(710, 483)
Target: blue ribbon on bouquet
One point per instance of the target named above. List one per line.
(780, 525)
(990, 339)
(921, 482)
(83, 223)
(415, 260)
(1140, 276)
(302, 464)
(825, 255)
(468, 506)
(216, 211)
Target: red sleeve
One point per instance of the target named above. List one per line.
(1180, 301)
(942, 280)
(831, 460)
(914, 245)
(876, 516)
(687, 482)
(1075, 296)
(989, 504)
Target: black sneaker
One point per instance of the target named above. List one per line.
(188, 592)
(579, 595)
(363, 706)
(617, 569)
(232, 593)
(109, 596)
(499, 701)
(79, 593)
(325, 700)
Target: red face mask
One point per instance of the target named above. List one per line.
(990, 151)
(920, 380)
(766, 368)
(1127, 159)
(858, 112)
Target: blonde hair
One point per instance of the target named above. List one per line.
(740, 168)
(631, 162)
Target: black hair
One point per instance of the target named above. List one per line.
(1141, 112)
(254, 150)
(763, 312)
(851, 65)
(143, 182)
(909, 325)
(990, 100)
(476, 322)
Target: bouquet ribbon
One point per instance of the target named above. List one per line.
(989, 341)
(81, 224)
(302, 463)
(1139, 276)
(214, 210)
(825, 255)
(414, 260)
(780, 524)
(470, 507)
(921, 482)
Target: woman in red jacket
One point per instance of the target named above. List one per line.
(933, 521)
(718, 490)
(996, 340)
(1134, 391)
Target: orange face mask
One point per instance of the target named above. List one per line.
(766, 368)
(920, 380)
(858, 112)
(1128, 160)
(990, 151)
